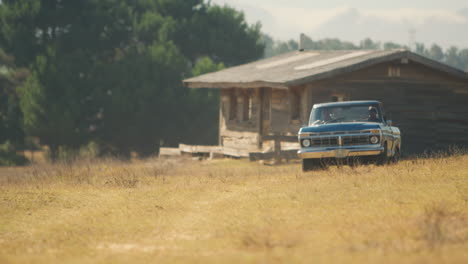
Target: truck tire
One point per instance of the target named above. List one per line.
(382, 159)
(396, 156)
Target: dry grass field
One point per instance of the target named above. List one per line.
(232, 211)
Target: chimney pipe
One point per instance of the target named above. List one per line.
(301, 42)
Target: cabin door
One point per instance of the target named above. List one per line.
(279, 111)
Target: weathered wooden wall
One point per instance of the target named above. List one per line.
(239, 134)
(270, 117)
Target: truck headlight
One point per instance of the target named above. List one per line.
(374, 139)
(306, 143)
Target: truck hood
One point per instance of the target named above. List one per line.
(339, 127)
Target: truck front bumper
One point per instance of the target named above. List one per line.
(340, 152)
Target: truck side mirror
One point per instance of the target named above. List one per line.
(389, 122)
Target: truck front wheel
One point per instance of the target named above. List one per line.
(382, 159)
(396, 156)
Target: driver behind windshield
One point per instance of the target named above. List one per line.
(326, 115)
(330, 114)
(373, 116)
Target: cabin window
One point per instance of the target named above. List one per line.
(337, 98)
(247, 105)
(232, 106)
(295, 105)
(393, 71)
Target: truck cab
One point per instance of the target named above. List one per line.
(347, 133)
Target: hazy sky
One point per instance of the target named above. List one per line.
(420, 4)
(442, 22)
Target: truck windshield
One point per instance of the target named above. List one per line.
(346, 113)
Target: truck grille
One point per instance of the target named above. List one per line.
(354, 140)
(350, 140)
(325, 141)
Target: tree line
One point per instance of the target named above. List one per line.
(109, 72)
(106, 75)
(452, 56)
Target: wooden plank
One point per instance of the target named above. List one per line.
(241, 143)
(281, 138)
(163, 152)
(284, 154)
(240, 134)
(200, 149)
(290, 145)
(237, 153)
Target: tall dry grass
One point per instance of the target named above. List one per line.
(159, 210)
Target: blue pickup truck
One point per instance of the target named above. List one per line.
(348, 133)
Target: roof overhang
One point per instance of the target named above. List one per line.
(291, 77)
(227, 85)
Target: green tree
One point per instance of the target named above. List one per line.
(10, 115)
(452, 57)
(269, 43)
(420, 49)
(220, 33)
(391, 45)
(11, 129)
(369, 44)
(206, 65)
(463, 54)
(110, 71)
(334, 44)
(436, 53)
(67, 42)
(205, 104)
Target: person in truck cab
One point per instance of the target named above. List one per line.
(326, 115)
(373, 116)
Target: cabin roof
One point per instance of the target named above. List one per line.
(347, 103)
(300, 67)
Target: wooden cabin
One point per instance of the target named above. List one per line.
(266, 102)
